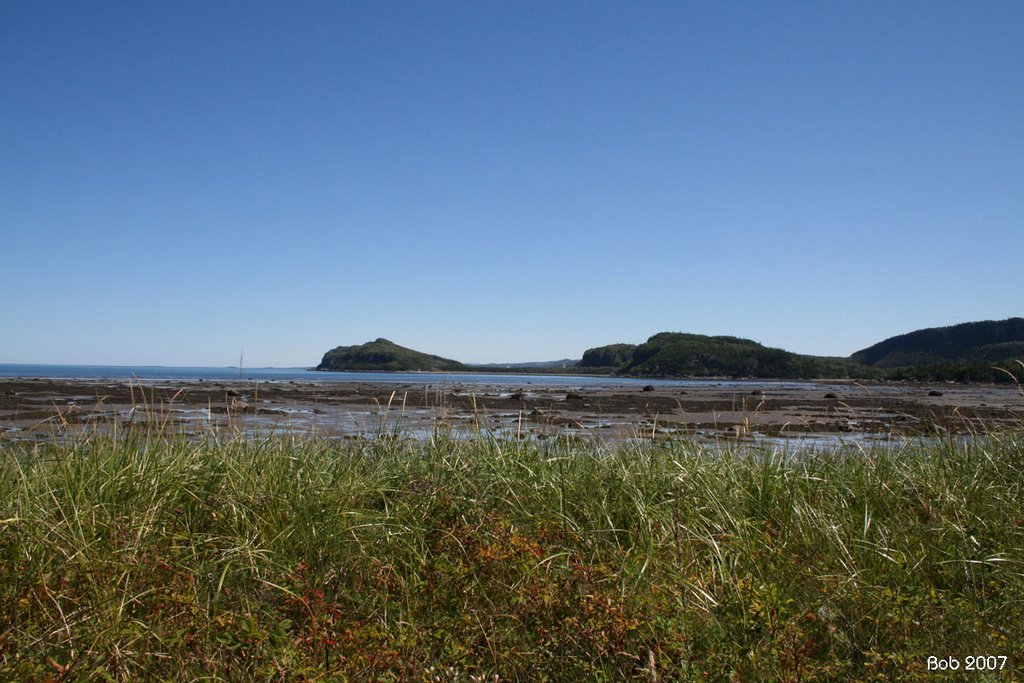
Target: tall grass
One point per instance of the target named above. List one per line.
(144, 555)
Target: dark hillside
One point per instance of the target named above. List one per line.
(610, 356)
(384, 355)
(676, 354)
(985, 342)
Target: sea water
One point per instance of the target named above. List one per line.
(226, 374)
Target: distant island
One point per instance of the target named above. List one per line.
(985, 351)
(384, 355)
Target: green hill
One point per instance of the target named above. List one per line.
(983, 351)
(384, 355)
(985, 342)
(610, 356)
(676, 354)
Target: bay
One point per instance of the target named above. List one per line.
(233, 374)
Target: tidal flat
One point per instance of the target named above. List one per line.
(708, 410)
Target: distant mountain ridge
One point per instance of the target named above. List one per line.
(977, 351)
(564, 363)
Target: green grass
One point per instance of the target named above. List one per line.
(148, 556)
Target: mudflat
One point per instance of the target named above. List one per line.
(38, 408)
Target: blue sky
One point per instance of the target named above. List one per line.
(502, 181)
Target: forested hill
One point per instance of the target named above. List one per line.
(676, 354)
(384, 355)
(985, 342)
(986, 351)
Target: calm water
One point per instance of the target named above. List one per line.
(226, 374)
(153, 372)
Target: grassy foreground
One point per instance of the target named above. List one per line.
(154, 557)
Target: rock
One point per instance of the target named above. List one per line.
(830, 395)
(934, 392)
(648, 387)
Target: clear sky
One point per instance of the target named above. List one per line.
(502, 181)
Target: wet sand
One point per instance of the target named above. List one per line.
(39, 408)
